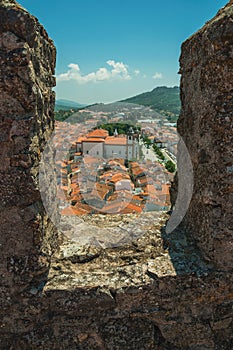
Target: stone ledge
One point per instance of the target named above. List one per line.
(142, 253)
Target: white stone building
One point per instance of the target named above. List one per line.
(99, 144)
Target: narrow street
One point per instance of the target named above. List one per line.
(149, 153)
(168, 157)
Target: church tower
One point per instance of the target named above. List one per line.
(130, 144)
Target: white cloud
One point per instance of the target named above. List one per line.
(158, 76)
(137, 72)
(74, 66)
(103, 74)
(118, 70)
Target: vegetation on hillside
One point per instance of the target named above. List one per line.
(73, 115)
(64, 112)
(164, 100)
(65, 105)
(61, 115)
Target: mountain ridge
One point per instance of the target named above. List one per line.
(63, 104)
(162, 99)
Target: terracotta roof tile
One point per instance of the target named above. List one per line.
(98, 133)
(119, 140)
(93, 139)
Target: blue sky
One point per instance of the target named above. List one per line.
(109, 50)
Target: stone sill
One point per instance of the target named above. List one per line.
(143, 253)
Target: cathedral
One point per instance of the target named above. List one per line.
(98, 143)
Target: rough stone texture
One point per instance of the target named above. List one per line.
(206, 126)
(27, 63)
(155, 292)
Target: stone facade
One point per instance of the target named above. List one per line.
(108, 147)
(153, 291)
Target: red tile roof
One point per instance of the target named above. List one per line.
(118, 177)
(93, 139)
(99, 133)
(118, 140)
(80, 139)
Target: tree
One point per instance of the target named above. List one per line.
(158, 152)
(147, 141)
(170, 166)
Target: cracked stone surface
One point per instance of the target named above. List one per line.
(117, 251)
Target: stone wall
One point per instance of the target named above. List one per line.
(155, 292)
(206, 126)
(27, 63)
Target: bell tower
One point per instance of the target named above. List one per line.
(130, 143)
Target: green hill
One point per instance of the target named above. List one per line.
(63, 105)
(165, 100)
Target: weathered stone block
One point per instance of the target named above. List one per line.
(27, 65)
(206, 126)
